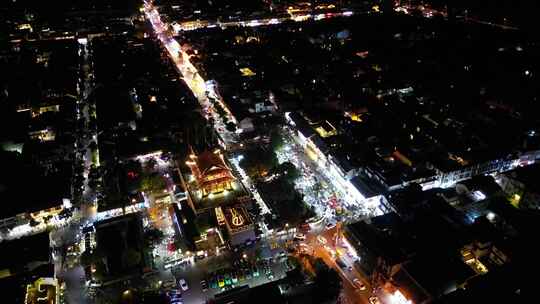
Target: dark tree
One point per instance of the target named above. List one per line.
(288, 171)
(276, 140)
(258, 162)
(231, 127)
(153, 235)
(131, 258)
(327, 282)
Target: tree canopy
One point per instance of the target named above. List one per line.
(288, 171)
(231, 127)
(327, 282)
(152, 182)
(258, 161)
(276, 140)
(153, 235)
(286, 200)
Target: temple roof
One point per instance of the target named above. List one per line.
(207, 160)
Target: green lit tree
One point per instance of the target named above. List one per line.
(152, 182)
(276, 139)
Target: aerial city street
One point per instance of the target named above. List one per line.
(268, 151)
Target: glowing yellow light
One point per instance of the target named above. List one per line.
(311, 154)
(247, 72)
(398, 298)
(236, 218)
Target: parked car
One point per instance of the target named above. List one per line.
(255, 271)
(174, 292)
(247, 272)
(241, 276)
(358, 284)
(183, 284)
(330, 225)
(175, 297)
(213, 282)
(299, 237)
(221, 282)
(341, 264)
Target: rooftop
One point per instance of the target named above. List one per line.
(17, 176)
(245, 295)
(418, 278)
(385, 236)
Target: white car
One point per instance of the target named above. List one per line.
(359, 284)
(330, 225)
(300, 236)
(183, 284)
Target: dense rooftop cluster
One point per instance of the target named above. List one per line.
(174, 151)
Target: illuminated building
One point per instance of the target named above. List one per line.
(237, 222)
(398, 298)
(44, 109)
(211, 173)
(43, 290)
(47, 213)
(326, 129)
(27, 271)
(247, 72)
(43, 135)
(211, 183)
(522, 186)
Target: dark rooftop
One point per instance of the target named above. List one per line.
(267, 293)
(434, 275)
(384, 237)
(16, 255)
(528, 175)
(115, 237)
(17, 177)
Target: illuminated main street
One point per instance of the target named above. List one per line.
(203, 89)
(191, 76)
(293, 15)
(332, 250)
